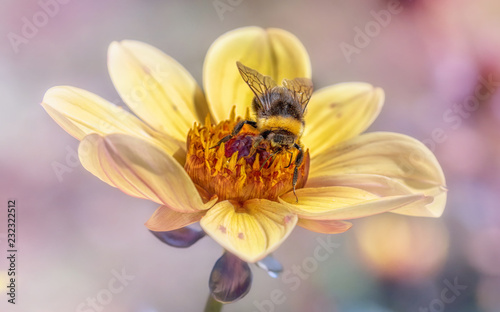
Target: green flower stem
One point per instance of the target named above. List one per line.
(212, 305)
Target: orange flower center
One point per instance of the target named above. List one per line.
(235, 171)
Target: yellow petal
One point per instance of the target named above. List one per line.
(393, 155)
(341, 203)
(325, 226)
(379, 185)
(141, 170)
(166, 219)
(80, 113)
(340, 112)
(272, 52)
(250, 231)
(373, 183)
(155, 87)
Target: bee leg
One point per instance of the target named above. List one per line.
(298, 162)
(270, 155)
(291, 157)
(235, 131)
(254, 145)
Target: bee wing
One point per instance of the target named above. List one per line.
(258, 83)
(302, 89)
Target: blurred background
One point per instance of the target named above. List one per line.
(439, 64)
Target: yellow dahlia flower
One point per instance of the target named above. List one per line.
(164, 154)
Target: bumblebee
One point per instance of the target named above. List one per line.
(279, 112)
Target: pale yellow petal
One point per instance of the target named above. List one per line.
(373, 183)
(433, 208)
(141, 170)
(325, 226)
(342, 203)
(166, 219)
(155, 87)
(80, 113)
(379, 185)
(251, 230)
(396, 156)
(340, 112)
(272, 52)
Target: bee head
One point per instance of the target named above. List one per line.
(281, 139)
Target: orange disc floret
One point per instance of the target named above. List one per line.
(235, 171)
